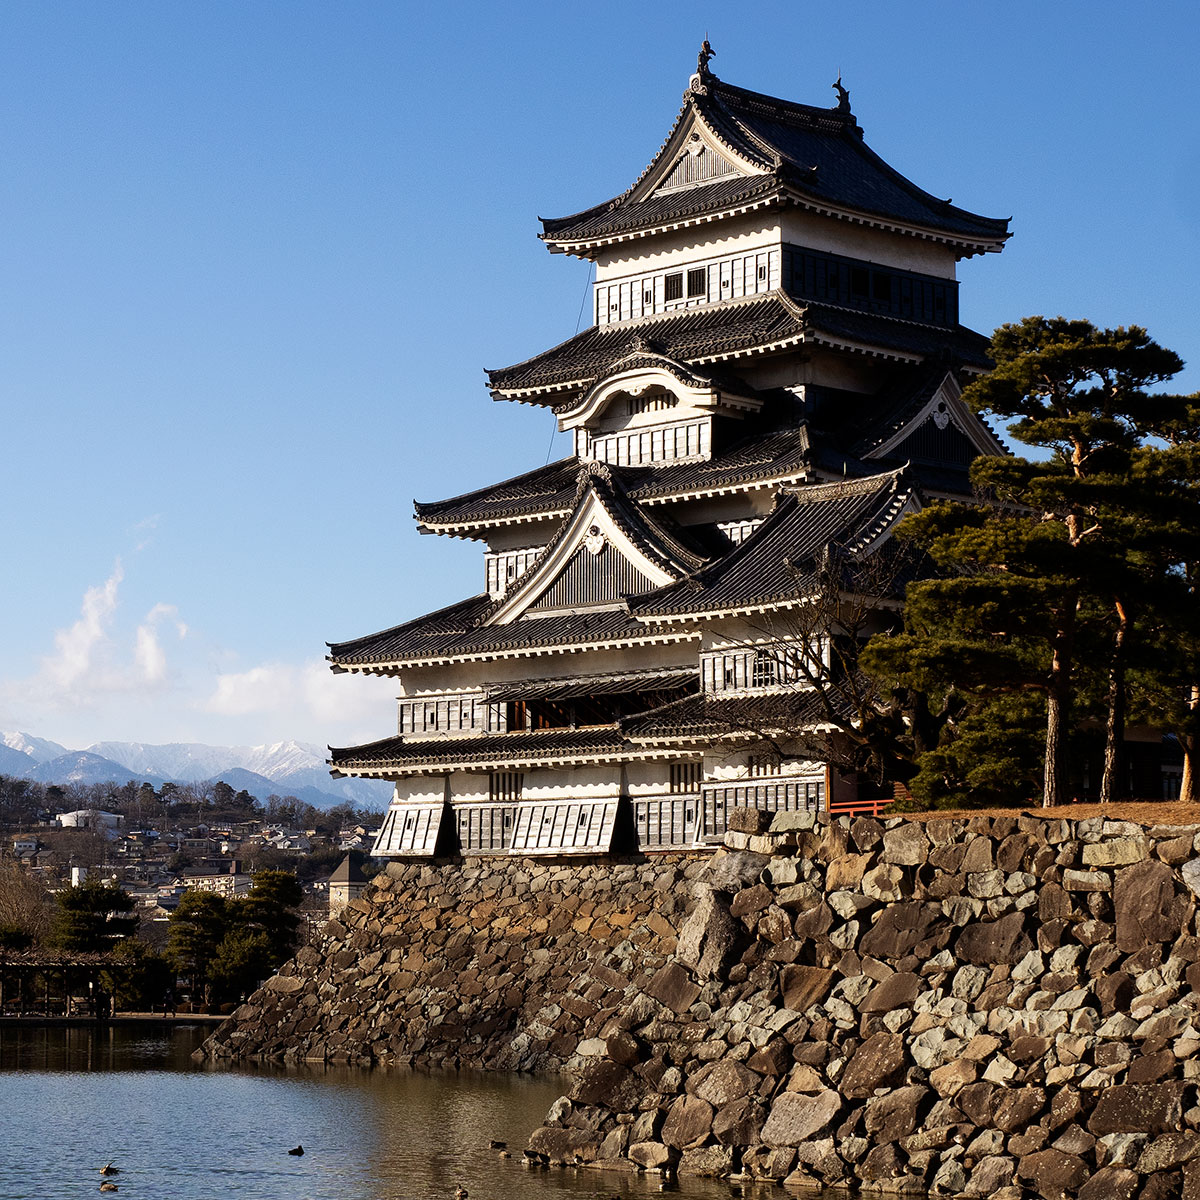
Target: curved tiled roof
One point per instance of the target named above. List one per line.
(426, 640)
(550, 490)
(709, 716)
(724, 331)
(713, 330)
(780, 560)
(502, 748)
(815, 156)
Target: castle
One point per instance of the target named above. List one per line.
(773, 371)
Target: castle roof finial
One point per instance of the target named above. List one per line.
(706, 52)
(843, 104)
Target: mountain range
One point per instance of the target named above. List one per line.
(283, 768)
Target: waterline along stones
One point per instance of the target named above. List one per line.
(496, 964)
(999, 1006)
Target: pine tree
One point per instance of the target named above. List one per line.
(1080, 393)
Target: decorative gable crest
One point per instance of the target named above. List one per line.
(941, 427)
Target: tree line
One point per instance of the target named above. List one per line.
(224, 947)
(141, 804)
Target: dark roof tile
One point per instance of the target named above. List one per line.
(816, 156)
(551, 489)
(482, 749)
(780, 559)
(725, 330)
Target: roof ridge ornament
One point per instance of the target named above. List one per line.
(843, 104)
(698, 84)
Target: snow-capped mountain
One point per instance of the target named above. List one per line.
(79, 766)
(39, 749)
(287, 768)
(15, 762)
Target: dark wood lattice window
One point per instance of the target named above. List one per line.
(685, 777)
(758, 765)
(673, 286)
(698, 282)
(765, 671)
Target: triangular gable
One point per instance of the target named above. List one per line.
(606, 549)
(602, 576)
(942, 424)
(699, 163)
(694, 152)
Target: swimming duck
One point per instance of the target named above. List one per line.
(298, 1150)
(109, 1169)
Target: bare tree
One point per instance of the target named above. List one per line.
(24, 902)
(818, 704)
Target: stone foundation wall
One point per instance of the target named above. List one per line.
(497, 964)
(995, 1007)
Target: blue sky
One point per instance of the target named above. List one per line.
(255, 257)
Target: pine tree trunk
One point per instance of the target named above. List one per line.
(1189, 789)
(1114, 725)
(1058, 706)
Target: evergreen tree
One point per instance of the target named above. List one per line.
(226, 947)
(974, 645)
(92, 916)
(197, 927)
(1080, 393)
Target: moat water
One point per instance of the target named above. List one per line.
(73, 1099)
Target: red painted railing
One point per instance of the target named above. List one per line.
(861, 808)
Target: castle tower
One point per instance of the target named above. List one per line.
(774, 369)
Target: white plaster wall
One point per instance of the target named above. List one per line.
(904, 251)
(648, 778)
(419, 791)
(736, 235)
(572, 783)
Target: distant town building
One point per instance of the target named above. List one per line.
(773, 372)
(230, 883)
(345, 884)
(90, 818)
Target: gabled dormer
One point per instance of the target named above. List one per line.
(931, 427)
(606, 550)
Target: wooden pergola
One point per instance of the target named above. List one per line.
(49, 983)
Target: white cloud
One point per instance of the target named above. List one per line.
(145, 531)
(114, 678)
(149, 658)
(306, 695)
(261, 689)
(77, 647)
(94, 660)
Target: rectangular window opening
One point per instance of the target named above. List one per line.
(673, 286)
(698, 282)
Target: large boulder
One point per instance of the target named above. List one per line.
(1148, 908)
(796, 1117)
(990, 943)
(689, 1122)
(710, 938)
(878, 1062)
(1138, 1108)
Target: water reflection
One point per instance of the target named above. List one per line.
(74, 1098)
